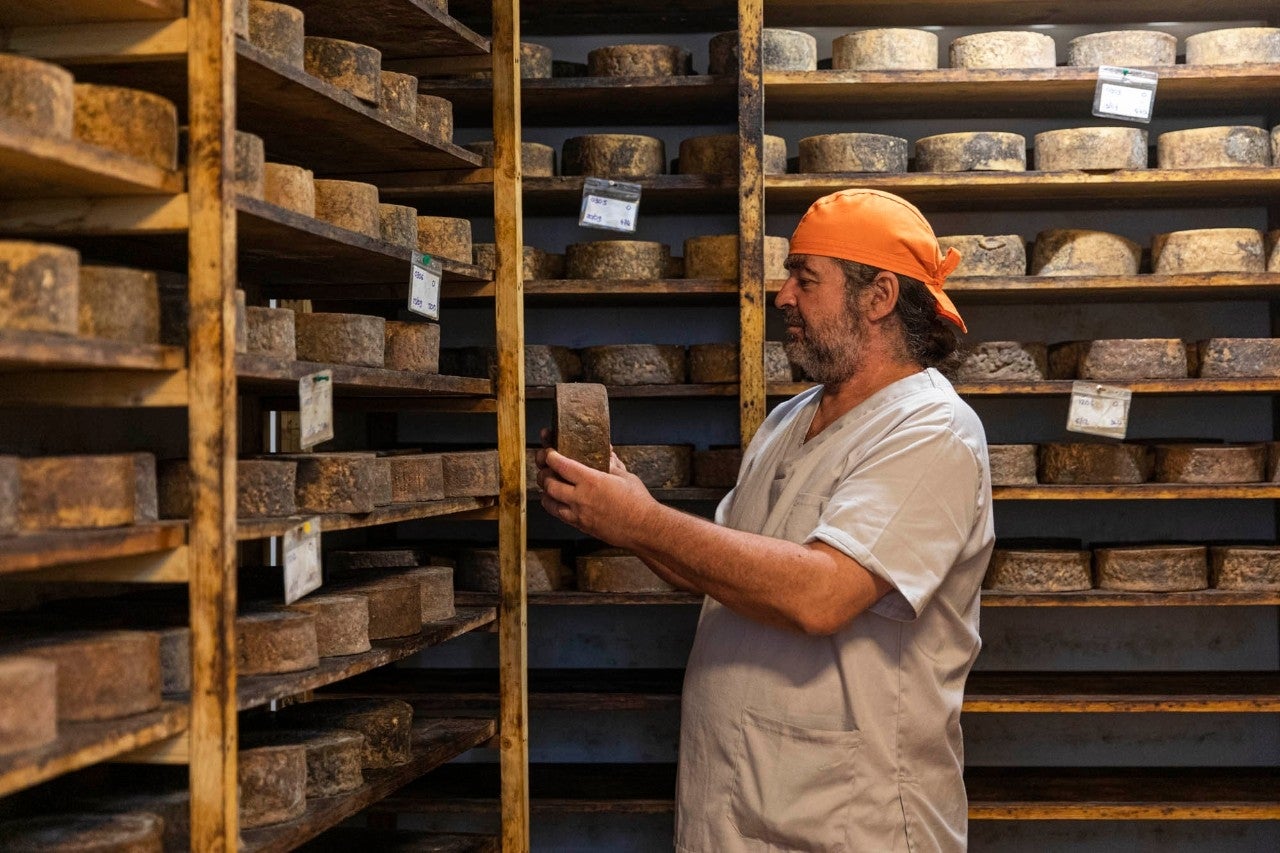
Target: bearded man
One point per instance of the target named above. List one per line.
(821, 707)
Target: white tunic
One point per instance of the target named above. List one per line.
(849, 742)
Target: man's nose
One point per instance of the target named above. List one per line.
(787, 295)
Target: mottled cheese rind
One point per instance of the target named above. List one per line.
(398, 98)
(398, 224)
(341, 338)
(1119, 359)
(972, 152)
(352, 67)
(536, 160)
(446, 237)
(416, 477)
(265, 488)
(717, 154)
(853, 152)
(1232, 358)
(1077, 252)
(479, 570)
(634, 364)
(1234, 46)
(1168, 568)
(780, 50)
(349, 204)
(1253, 568)
(1208, 250)
(275, 642)
(613, 155)
(412, 346)
(886, 49)
(717, 256)
(1091, 148)
(271, 332)
(273, 784)
(341, 622)
(1224, 463)
(140, 125)
(387, 725)
(1225, 147)
(1095, 464)
(1004, 360)
(39, 287)
(87, 491)
(659, 466)
(718, 363)
(120, 832)
(617, 260)
(277, 29)
(290, 187)
(980, 255)
(1012, 464)
(639, 60)
(470, 473)
(28, 702)
(617, 570)
(101, 675)
(119, 304)
(333, 764)
(1123, 49)
(37, 95)
(1038, 570)
(582, 423)
(434, 117)
(1008, 49)
(250, 166)
(395, 605)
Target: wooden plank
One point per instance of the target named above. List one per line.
(159, 41)
(561, 195)
(400, 841)
(1007, 13)
(1058, 387)
(572, 291)
(81, 11)
(1107, 598)
(263, 528)
(113, 216)
(172, 566)
(398, 28)
(1142, 491)
(83, 744)
(1023, 289)
(31, 551)
(545, 392)
(26, 351)
(261, 374)
(751, 276)
(434, 743)
(33, 166)
(95, 389)
(175, 750)
(582, 17)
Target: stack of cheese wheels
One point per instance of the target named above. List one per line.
(1032, 570)
(972, 152)
(1146, 568)
(1095, 464)
(891, 49)
(984, 255)
(780, 50)
(1234, 46)
(1119, 359)
(1208, 250)
(1214, 148)
(1072, 252)
(614, 155)
(1004, 50)
(639, 60)
(1123, 48)
(1004, 360)
(853, 152)
(1091, 148)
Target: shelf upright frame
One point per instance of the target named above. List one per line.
(751, 283)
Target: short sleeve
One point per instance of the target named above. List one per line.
(906, 513)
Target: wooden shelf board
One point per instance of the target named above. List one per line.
(1059, 387)
(400, 841)
(1007, 13)
(561, 195)
(546, 392)
(581, 17)
(33, 166)
(262, 374)
(398, 28)
(550, 291)
(82, 744)
(23, 350)
(434, 743)
(1140, 491)
(262, 528)
(88, 11)
(253, 691)
(31, 551)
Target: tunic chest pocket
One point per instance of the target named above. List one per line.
(794, 785)
(802, 517)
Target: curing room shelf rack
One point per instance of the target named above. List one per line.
(989, 13)
(33, 166)
(70, 548)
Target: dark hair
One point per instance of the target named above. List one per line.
(927, 338)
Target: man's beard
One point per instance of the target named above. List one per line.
(828, 353)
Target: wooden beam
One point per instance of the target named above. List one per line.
(160, 567)
(91, 44)
(98, 216)
(174, 750)
(95, 389)
(751, 292)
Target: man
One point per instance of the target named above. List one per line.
(822, 698)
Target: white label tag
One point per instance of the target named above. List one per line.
(611, 213)
(1099, 409)
(424, 286)
(301, 560)
(1125, 93)
(315, 408)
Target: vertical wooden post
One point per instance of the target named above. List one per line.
(508, 229)
(751, 285)
(212, 427)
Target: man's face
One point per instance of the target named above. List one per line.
(825, 332)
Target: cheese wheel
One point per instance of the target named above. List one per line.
(71, 492)
(780, 50)
(1004, 360)
(273, 784)
(349, 204)
(582, 423)
(1272, 246)
(1214, 148)
(332, 756)
(434, 117)
(39, 287)
(265, 488)
(435, 588)
(398, 98)
(639, 60)
(242, 322)
(128, 832)
(137, 124)
(119, 304)
(395, 606)
(290, 187)
(1038, 570)
(972, 152)
(717, 256)
(535, 64)
(1275, 144)
(614, 155)
(373, 558)
(101, 675)
(37, 96)
(413, 346)
(853, 152)
(1012, 464)
(1101, 464)
(536, 160)
(634, 364)
(1254, 568)
(10, 477)
(717, 154)
(1224, 463)
(1010, 49)
(1165, 568)
(1229, 358)
(1072, 252)
(479, 570)
(398, 224)
(659, 466)
(445, 237)
(718, 363)
(28, 702)
(550, 365)
(355, 68)
(1208, 250)
(1098, 148)
(617, 570)
(617, 260)
(338, 482)
(277, 29)
(887, 49)
(1119, 359)
(716, 468)
(1234, 46)
(1001, 255)
(341, 338)
(555, 265)
(271, 332)
(1123, 48)
(387, 725)
(470, 473)
(175, 659)
(416, 477)
(533, 261)
(275, 642)
(250, 166)
(240, 18)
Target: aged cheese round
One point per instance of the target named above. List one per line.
(242, 323)
(634, 364)
(1228, 358)
(659, 466)
(250, 165)
(617, 260)
(445, 237)
(1070, 252)
(355, 68)
(413, 346)
(1012, 464)
(478, 569)
(1101, 464)
(533, 261)
(582, 423)
(398, 98)
(535, 64)
(131, 122)
(37, 96)
(341, 623)
(341, 338)
(265, 488)
(435, 587)
(9, 480)
(1164, 568)
(434, 117)
(1123, 48)
(175, 659)
(639, 60)
(271, 332)
(550, 365)
(101, 675)
(290, 187)
(349, 204)
(332, 756)
(1214, 148)
(387, 725)
(470, 473)
(395, 608)
(337, 482)
(972, 152)
(119, 304)
(888, 49)
(716, 468)
(275, 642)
(277, 29)
(1208, 250)
(273, 784)
(1213, 463)
(536, 160)
(398, 224)
(1139, 358)
(127, 832)
(1011, 49)
(1004, 360)
(613, 155)
(70, 492)
(416, 477)
(1085, 148)
(718, 363)
(1002, 255)
(39, 287)
(780, 50)
(717, 256)
(717, 154)
(853, 152)
(1272, 241)
(1234, 46)
(1038, 570)
(617, 570)
(1254, 568)
(28, 702)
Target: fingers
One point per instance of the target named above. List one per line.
(569, 470)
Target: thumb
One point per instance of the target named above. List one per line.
(570, 470)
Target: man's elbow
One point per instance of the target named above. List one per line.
(822, 621)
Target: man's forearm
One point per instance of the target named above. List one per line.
(663, 571)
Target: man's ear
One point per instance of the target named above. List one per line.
(881, 296)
